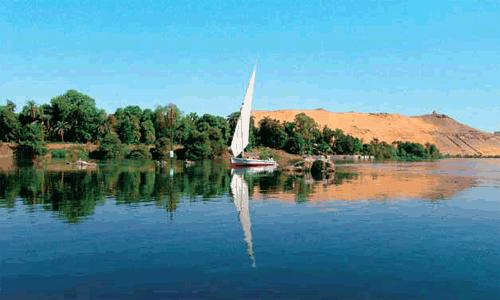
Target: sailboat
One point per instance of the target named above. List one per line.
(242, 132)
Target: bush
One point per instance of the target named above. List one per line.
(30, 149)
(76, 153)
(267, 154)
(31, 144)
(141, 152)
(433, 151)
(161, 149)
(272, 133)
(110, 147)
(198, 146)
(346, 144)
(58, 153)
(379, 150)
(295, 144)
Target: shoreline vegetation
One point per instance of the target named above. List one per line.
(135, 133)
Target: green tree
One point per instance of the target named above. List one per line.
(166, 118)
(30, 113)
(161, 149)
(432, 151)
(415, 151)
(60, 128)
(206, 121)
(80, 113)
(216, 141)
(9, 123)
(381, 150)
(295, 144)
(184, 127)
(198, 146)
(128, 124)
(110, 147)
(232, 119)
(140, 152)
(272, 133)
(325, 141)
(31, 141)
(308, 129)
(148, 135)
(346, 144)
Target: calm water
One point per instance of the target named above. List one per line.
(421, 230)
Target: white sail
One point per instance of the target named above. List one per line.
(239, 188)
(242, 130)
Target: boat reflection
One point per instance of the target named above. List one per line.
(239, 189)
(255, 170)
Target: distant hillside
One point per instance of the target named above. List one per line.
(449, 135)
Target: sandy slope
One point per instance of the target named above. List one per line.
(449, 135)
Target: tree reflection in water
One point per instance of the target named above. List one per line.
(74, 194)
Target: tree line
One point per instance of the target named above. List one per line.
(133, 132)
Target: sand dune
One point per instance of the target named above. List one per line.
(449, 135)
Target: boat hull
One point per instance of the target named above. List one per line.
(249, 162)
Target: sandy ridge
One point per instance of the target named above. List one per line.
(449, 135)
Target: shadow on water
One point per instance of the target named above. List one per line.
(74, 194)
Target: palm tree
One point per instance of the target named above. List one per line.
(32, 110)
(60, 128)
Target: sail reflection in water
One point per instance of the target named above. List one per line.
(239, 189)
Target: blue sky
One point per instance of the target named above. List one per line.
(372, 56)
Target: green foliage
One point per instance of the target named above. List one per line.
(128, 124)
(60, 128)
(111, 147)
(306, 127)
(73, 117)
(267, 154)
(148, 135)
(58, 153)
(76, 153)
(184, 128)
(209, 121)
(80, 114)
(30, 113)
(31, 141)
(161, 149)
(166, 119)
(381, 150)
(140, 152)
(198, 146)
(407, 151)
(433, 151)
(9, 123)
(346, 144)
(272, 134)
(295, 144)
(411, 151)
(416, 151)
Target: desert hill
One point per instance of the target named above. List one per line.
(450, 136)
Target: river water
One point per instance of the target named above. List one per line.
(427, 230)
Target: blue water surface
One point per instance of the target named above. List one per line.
(115, 233)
